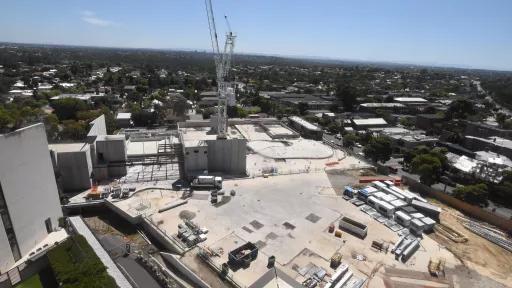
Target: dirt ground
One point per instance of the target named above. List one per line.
(486, 258)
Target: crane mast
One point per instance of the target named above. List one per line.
(222, 67)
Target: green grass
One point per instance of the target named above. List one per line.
(32, 282)
(75, 265)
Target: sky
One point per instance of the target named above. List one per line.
(459, 33)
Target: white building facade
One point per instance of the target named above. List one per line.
(29, 200)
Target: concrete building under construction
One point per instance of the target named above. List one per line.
(203, 153)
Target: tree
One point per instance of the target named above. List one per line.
(407, 122)
(110, 120)
(386, 115)
(208, 112)
(430, 110)
(474, 194)
(334, 127)
(51, 123)
(67, 108)
(73, 130)
(378, 149)
(501, 118)
(502, 191)
(180, 107)
(349, 140)
(428, 166)
(347, 94)
(508, 124)
(303, 107)
(144, 118)
(5, 119)
(460, 109)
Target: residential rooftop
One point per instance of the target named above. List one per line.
(370, 121)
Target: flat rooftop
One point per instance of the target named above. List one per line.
(382, 105)
(498, 141)
(286, 216)
(410, 99)
(276, 129)
(68, 147)
(124, 116)
(144, 148)
(197, 136)
(370, 121)
(304, 123)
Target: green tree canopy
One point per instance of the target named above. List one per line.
(347, 94)
(378, 149)
(73, 130)
(349, 140)
(460, 109)
(428, 163)
(474, 194)
(428, 167)
(303, 107)
(68, 108)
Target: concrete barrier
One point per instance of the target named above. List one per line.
(176, 263)
(161, 236)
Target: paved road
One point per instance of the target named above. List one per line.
(332, 139)
(115, 245)
(138, 274)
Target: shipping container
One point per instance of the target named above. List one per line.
(428, 209)
(353, 227)
(402, 218)
(243, 255)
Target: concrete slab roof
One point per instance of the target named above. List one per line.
(143, 147)
(382, 105)
(304, 123)
(68, 147)
(279, 130)
(111, 137)
(193, 137)
(370, 121)
(124, 116)
(410, 99)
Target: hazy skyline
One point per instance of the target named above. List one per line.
(469, 34)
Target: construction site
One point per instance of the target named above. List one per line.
(256, 203)
(308, 212)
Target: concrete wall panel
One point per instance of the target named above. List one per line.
(227, 156)
(28, 182)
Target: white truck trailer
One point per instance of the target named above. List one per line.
(207, 182)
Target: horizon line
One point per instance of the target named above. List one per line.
(296, 57)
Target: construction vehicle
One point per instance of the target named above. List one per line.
(335, 260)
(207, 182)
(94, 194)
(436, 266)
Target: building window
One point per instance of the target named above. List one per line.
(9, 230)
(205, 152)
(196, 151)
(48, 224)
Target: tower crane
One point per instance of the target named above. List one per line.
(222, 67)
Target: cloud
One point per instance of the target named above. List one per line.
(91, 18)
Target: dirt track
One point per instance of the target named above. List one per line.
(478, 254)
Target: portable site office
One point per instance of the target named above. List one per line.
(402, 218)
